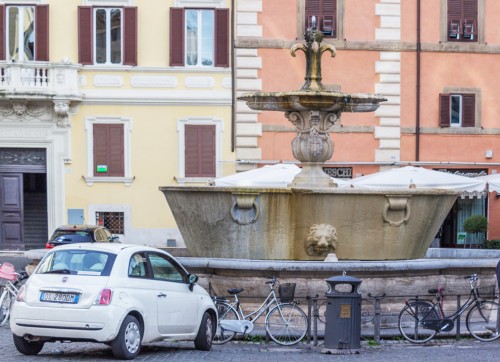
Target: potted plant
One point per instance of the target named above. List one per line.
(476, 225)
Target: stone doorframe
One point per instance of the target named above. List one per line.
(25, 124)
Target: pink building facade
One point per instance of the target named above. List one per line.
(436, 62)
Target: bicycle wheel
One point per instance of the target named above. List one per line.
(410, 321)
(226, 312)
(286, 324)
(482, 321)
(5, 303)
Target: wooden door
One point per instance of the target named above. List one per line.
(11, 211)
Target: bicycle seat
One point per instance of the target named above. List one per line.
(234, 291)
(434, 291)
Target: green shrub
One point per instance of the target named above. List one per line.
(476, 224)
(492, 244)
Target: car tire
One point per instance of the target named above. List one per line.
(127, 344)
(203, 341)
(28, 348)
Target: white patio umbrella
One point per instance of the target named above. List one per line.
(279, 175)
(419, 177)
(493, 182)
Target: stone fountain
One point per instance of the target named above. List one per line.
(310, 218)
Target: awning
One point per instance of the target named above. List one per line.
(493, 182)
(279, 175)
(419, 177)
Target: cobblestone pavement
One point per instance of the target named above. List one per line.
(442, 350)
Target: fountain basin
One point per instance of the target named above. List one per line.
(308, 223)
(305, 100)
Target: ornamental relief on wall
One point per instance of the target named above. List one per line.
(23, 111)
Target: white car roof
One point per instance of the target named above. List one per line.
(106, 247)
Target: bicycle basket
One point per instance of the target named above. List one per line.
(7, 271)
(286, 292)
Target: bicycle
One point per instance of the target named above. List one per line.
(285, 322)
(420, 320)
(14, 281)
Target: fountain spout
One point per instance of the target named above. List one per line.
(313, 51)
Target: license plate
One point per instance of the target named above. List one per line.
(55, 297)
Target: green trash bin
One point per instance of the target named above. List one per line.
(343, 314)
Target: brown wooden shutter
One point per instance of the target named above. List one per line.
(109, 149)
(176, 37)
(444, 110)
(469, 19)
(2, 32)
(85, 34)
(199, 151)
(116, 150)
(222, 38)
(130, 36)
(42, 33)
(207, 151)
(312, 8)
(468, 110)
(100, 135)
(329, 18)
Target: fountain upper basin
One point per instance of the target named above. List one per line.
(308, 223)
(304, 100)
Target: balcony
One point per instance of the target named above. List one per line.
(38, 85)
(39, 81)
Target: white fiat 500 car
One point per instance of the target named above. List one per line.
(118, 294)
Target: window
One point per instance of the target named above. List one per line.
(323, 13)
(138, 267)
(457, 110)
(24, 32)
(113, 221)
(165, 269)
(462, 20)
(200, 151)
(107, 36)
(108, 150)
(199, 37)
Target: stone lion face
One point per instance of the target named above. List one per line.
(321, 239)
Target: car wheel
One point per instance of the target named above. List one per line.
(26, 347)
(127, 343)
(203, 341)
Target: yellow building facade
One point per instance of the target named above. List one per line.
(102, 102)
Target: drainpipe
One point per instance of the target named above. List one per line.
(233, 81)
(417, 125)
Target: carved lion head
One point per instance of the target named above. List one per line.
(321, 239)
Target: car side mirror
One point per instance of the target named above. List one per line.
(114, 238)
(192, 279)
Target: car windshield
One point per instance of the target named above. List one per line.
(81, 262)
(65, 236)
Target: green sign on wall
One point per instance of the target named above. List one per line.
(102, 168)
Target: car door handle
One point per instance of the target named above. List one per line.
(161, 294)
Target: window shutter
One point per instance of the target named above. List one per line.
(100, 148)
(85, 33)
(42, 33)
(312, 8)
(444, 110)
(191, 151)
(109, 149)
(130, 36)
(116, 150)
(469, 110)
(199, 151)
(470, 19)
(207, 151)
(2, 32)
(222, 38)
(176, 37)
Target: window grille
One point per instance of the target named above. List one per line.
(114, 221)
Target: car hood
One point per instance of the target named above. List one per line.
(86, 287)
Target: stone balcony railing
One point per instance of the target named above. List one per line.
(38, 85)
(39, 80)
